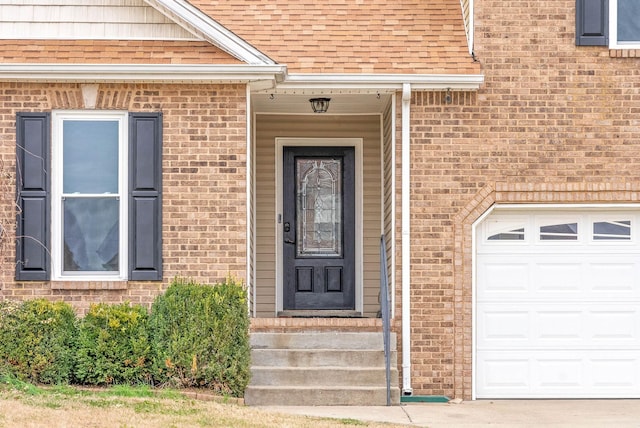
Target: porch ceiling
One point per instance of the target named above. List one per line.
(299, 103)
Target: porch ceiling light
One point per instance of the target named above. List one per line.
(320, 105)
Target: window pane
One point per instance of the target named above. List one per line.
(91, 234)
(612, 230)
(512, 235)
(628, 20)
(557, 232)
(90, 156)
(319, 207)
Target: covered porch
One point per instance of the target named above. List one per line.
(330, 268)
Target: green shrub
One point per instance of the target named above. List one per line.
(113, 345)
(201, 336)
(37, 340)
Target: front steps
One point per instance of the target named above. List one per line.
(320, 369)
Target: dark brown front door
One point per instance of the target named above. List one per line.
(319, 228)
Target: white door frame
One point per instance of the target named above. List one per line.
(356, 143)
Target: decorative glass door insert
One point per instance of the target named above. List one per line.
(319, 207)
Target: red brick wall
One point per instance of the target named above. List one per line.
(552, 123)
(204, 187)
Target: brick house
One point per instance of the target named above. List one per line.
(492, 143)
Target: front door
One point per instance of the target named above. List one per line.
(319, 228)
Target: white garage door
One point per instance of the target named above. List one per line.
(558, 304)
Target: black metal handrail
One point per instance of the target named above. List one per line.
(384, 310)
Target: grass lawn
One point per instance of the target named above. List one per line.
(25, 405)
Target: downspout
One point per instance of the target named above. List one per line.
(406, 240)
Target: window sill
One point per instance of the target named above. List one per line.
(89, 285)
(624, 53)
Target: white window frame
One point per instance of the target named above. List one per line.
(58, 117)
(613, 29)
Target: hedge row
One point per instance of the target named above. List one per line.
(194, 336)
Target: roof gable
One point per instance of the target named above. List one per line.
(120, 20)
(87, 20)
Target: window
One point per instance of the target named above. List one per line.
(89, 195)
(89, 185)
(612, 23)
(559, 232)
(624, 24)
(510, 235)
(612, 230)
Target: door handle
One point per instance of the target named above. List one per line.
(289, 241)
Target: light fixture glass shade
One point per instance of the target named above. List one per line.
(320, 105)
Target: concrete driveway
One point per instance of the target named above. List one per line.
(494, 413)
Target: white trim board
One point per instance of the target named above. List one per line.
(205, 73)
(57, 118)
(357, 144)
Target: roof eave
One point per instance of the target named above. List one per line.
(391, 82)
(167, 73)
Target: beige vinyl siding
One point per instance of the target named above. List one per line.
(270, 127)
(251, 226)
(388, 195)
(87, 19)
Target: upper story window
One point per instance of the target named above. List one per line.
(612, 23)
(89, 204)
(624, 24)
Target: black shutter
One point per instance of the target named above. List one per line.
(592, 22)
(33, 182)
(145, 196)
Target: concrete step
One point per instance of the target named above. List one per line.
(325, 376)
(320, 368)
(320, 340)
(319, 396)
(320, 358)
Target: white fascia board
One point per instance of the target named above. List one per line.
(203, 73)
(391, 82)
(192, 18)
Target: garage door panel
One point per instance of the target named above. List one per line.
(558, 325)
(503, 373)
(613, 277)
(571, 325)
(554, 275)
(615, 324)
(558, 318)
(557, 374)
(504, 325)
(614, 373)
(558, 276)
(506, 276)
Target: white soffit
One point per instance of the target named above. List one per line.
(259, 75)
(295, 83)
